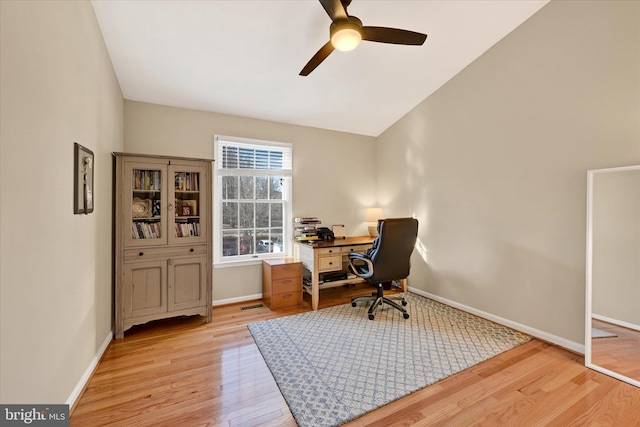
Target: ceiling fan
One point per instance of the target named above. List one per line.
(346, 32)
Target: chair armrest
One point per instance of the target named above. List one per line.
(356, 255)
(364, 271)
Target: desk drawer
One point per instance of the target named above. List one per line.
(328, 251)
(289, 299)
(286, 271)
(284, 286)
(330, 263)
(355, 248)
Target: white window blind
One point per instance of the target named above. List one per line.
(258, 158)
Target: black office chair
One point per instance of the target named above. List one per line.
(386, 261)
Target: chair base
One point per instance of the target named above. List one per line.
(378, 299)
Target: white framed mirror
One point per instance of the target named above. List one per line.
(612, 326)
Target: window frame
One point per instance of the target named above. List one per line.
(286, 173)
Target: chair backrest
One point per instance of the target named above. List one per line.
(391, 251)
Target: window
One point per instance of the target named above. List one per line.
(252, 200)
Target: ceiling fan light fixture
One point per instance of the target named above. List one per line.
(346, 32)
(345, 36)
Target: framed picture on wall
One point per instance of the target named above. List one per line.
(83, 195)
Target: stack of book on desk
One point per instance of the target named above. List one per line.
(305, 228)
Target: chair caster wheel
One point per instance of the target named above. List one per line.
(353, 304)
(405, 315)
(404, 302)
(371, 316)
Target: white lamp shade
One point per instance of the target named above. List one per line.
(373, 215)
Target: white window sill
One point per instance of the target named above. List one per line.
(245, 262)
(242, 263)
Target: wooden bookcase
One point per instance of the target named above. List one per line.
(163, 239)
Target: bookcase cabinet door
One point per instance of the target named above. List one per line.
(144, 203)
(144, 288)
(189, 205)
(187, 281)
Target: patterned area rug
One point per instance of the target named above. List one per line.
(599, 333)
(334, 365)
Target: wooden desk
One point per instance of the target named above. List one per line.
(328, 256)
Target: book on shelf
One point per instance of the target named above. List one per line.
(187, 181)
(189, 229)
(146, 180)
(145, 230)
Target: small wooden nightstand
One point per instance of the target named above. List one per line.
(281, 283)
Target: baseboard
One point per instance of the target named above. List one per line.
(544, 336)
(84, 379)
(616, 322)
(237, 299)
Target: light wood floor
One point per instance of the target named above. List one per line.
(620, 354)
(183, 372)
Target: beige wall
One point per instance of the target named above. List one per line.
(58, 87)
(616, 246)
(494, 163)
(333, 172)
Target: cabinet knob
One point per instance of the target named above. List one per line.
(141, 253)
(191, 250)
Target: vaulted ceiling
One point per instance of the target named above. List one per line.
(242, 57)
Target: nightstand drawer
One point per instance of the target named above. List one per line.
(330, 263)
(290, 299)
(287, 285)
(286, 270)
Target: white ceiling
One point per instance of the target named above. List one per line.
(242, 57)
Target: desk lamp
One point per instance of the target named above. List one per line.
(371, 217)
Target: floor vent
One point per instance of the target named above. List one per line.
(251, 307)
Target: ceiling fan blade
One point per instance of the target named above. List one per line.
(334, 9)
(392, 35)
(317, 59)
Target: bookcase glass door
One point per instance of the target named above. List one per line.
(147, 225)
(188, 204)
